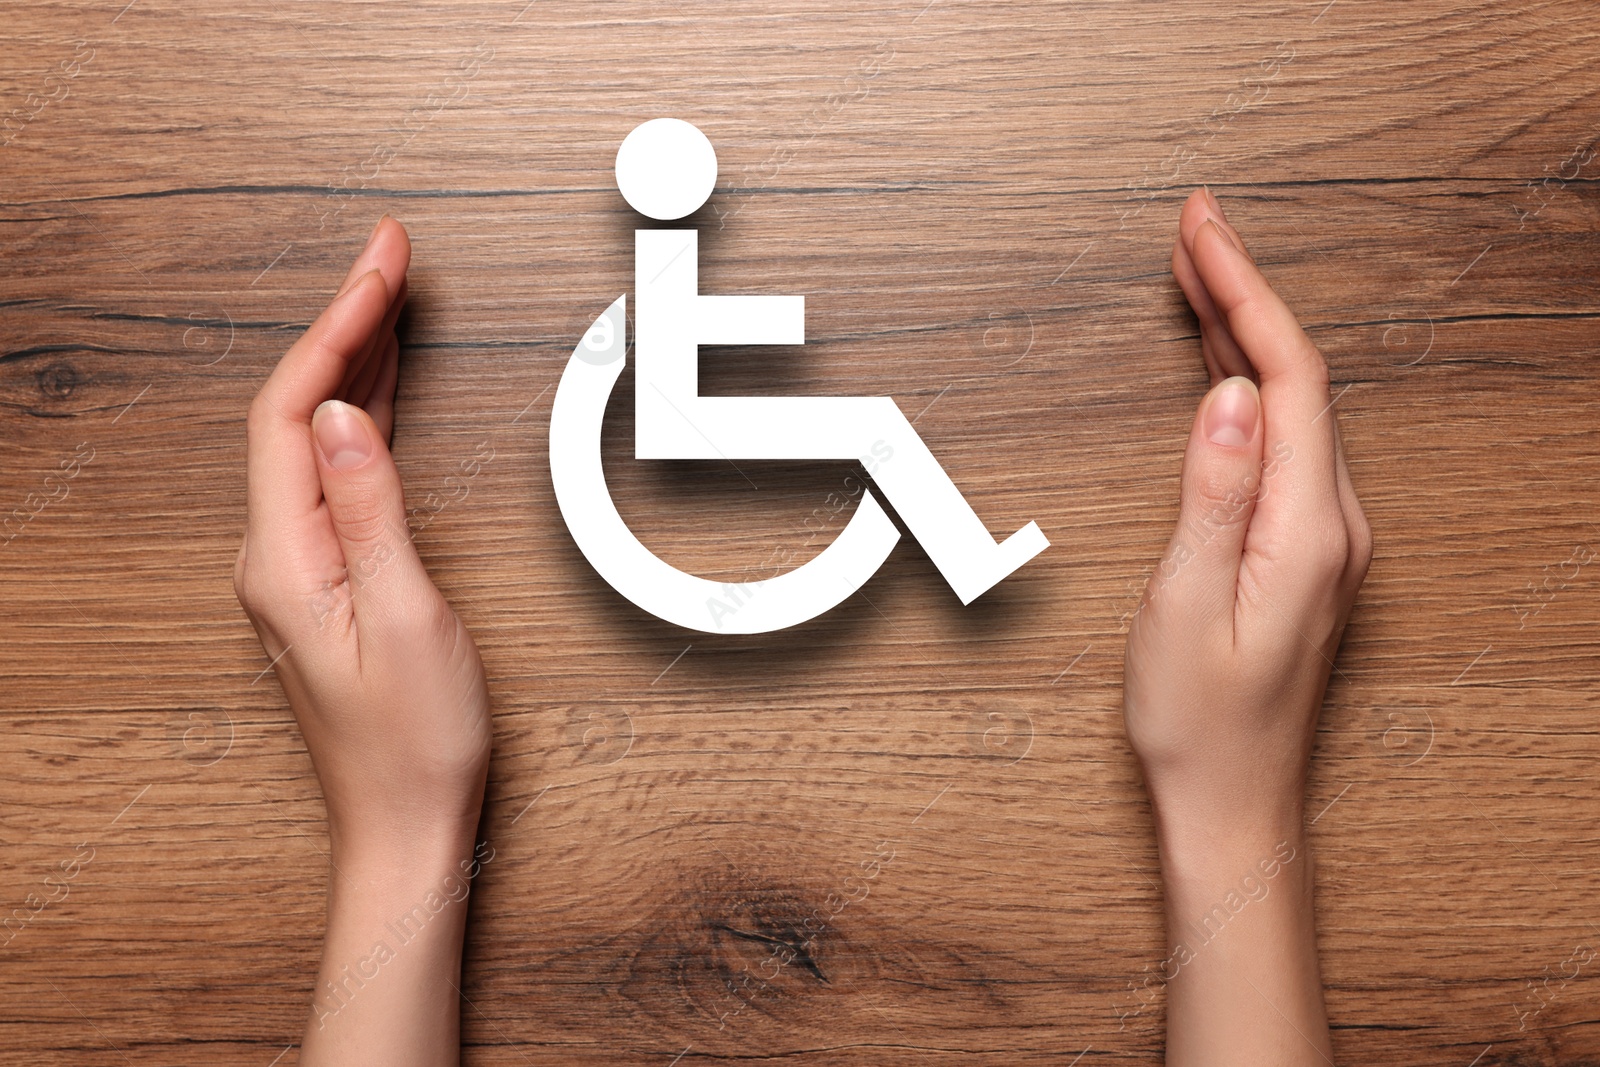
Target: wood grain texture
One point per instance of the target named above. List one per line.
(978, 200)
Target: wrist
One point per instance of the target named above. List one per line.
(1200, 820)
(404, 858)
(410, 817)
(410, 830)
(416, 896)
(1204, 830)
(1203, 860)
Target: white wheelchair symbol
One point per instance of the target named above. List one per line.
(666, 169)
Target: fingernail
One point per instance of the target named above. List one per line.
(370, 237)
(1224, 234)
(341, 436)
(1216, 208)
(356, 282)
(1232, 411)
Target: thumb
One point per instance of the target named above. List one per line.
(362, 489)
(1221, 480)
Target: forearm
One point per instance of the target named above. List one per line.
(387, 989)
(1243, 983)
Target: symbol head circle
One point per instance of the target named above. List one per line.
(666, 169)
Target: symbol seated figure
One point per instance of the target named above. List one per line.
(666, 169)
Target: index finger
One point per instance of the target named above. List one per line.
(281, 472)
(282, 483)
(1294, 392)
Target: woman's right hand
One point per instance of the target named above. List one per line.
(1227, 661)
(1230, 650)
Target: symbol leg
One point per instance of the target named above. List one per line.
(875, 431)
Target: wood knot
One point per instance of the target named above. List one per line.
(58, 380)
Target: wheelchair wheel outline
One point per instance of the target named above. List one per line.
(641, 576)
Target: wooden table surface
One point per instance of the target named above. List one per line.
(978, 202)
